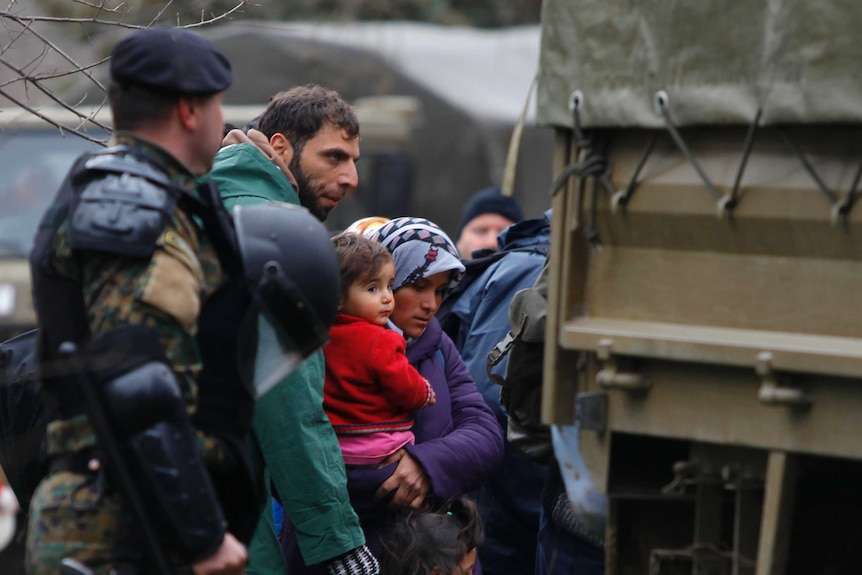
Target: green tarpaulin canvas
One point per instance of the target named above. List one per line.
(720, 62)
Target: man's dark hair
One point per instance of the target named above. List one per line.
(359, 259)
(134, 106)
(300, 113)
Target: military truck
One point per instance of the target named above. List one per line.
(705, 265)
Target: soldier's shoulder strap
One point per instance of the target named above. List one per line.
(122, 204)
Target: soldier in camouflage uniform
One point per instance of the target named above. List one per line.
(166, 100)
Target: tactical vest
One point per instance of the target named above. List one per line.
(225, 406)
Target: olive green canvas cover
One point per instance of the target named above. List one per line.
(719, 61)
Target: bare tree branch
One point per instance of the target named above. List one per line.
(78, 132)
(8, 14)
(216, 18)
(64, 20)
(47, 42)
(161, 12)
(40, 60)
(100, 6)
(38, 84)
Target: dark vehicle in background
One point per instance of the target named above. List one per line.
(34, 158)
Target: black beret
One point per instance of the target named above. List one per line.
(170, 60)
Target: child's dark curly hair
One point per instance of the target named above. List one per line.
(359, 259)
(420, 541)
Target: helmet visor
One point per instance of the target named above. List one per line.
(266, 353)
(276, 358)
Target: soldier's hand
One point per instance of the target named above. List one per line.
(259, 139)
(408, 481)
(231, 558)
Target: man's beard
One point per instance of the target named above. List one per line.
(307, 194)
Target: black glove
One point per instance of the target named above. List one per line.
(358, 561)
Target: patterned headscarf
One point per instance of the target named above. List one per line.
(420, 249)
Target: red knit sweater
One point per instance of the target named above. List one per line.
(370, 386)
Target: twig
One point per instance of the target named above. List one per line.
(38, 114)
(32, 77)
(57, 49)
(222, 16)
(101, 6)
(162, 11)
(69, 20)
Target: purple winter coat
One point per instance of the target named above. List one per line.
(459, 443)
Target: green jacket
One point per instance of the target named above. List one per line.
(294, 436)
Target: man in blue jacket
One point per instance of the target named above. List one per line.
(510, 503)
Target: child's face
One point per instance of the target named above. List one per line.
(465, 567)
(371, 299)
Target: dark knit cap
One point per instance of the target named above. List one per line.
(170, 60)
(490, 201)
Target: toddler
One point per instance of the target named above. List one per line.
(370, 388)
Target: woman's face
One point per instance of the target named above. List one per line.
(416, 304)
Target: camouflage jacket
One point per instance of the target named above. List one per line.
(165, 292)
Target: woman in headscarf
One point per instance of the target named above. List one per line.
(459, 443)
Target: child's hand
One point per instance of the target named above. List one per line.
(430, 396)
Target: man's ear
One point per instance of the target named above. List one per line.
(435, 570)
(187, 112)
(282, 147)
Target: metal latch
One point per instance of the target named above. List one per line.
(611, 377)
(771, 393)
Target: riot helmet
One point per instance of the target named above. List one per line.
(291, 271)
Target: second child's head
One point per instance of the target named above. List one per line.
(367, 274)
(442, 542)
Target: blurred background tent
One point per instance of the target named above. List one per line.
(464, 89)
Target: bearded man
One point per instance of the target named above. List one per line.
(304, 151)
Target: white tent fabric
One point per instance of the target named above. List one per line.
(486, 73)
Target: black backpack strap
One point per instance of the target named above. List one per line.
(217, 222)
(496, 355)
